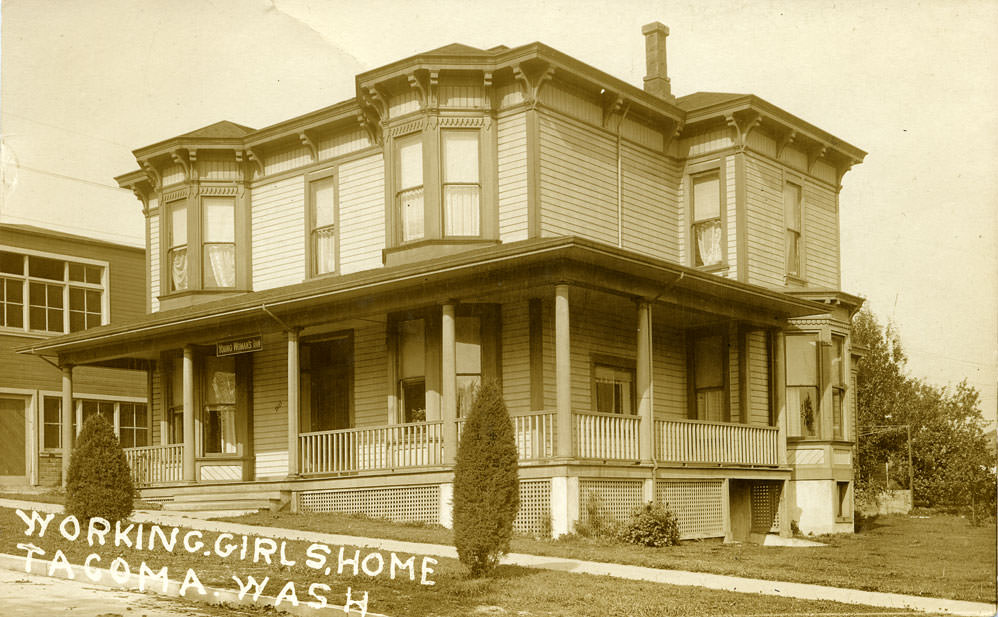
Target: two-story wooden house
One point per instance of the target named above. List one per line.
(654, 281)
(52, 283)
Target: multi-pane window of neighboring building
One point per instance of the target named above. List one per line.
(219, 412)
(322, 199)
(131, 419)
(706, 216)
(49, 294)
(803, 408)
(838, 386)
(792, 221)
(469, 361)
(412, 370)
(708, 377)
(409, 187)
(176, 256)
(461, 188)
(614, 387)
(219, 232)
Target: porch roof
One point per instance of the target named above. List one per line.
(503, 268)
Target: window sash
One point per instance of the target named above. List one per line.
(324, 250)
(411, 212)
(803, 411)
(219, 269)
(706, 197)
(710, 404)
(50, 294)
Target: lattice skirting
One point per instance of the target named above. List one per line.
(404, 503)
(534, 516)
(618, 498)
(697, 505)
(766, 507)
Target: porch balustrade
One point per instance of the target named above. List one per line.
(691, 441)
(606, 436)
(417, 444)
(156, 464)
(533, 432)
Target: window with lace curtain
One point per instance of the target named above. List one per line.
(706, 231)
(461, 188)
(322, 207)
(409, 183)
(176, 255)
(219, 242)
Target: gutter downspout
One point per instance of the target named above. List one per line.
(654, 459)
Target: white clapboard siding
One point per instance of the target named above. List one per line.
(270, 407)
(758, 374)
(578, 181)
(362, 214)
(600, 325)
(764, 222)
(370, 376)
(516, 356)
(512, 173)
(155, 407)
(734, 392)
(732, 208)
(278, 233)
(650, 203)
(642, 134)
(668, 371)
(825, 172)
(154, 252)
(821, 237)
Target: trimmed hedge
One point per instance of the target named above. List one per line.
(99, 481)
(486, 485)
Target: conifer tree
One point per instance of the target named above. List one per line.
(99, 482)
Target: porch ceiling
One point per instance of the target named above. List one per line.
(520, 267)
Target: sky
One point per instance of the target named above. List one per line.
(82, 84)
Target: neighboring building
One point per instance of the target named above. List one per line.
(52, 283)
(655, 281)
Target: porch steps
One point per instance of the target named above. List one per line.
(221, 499)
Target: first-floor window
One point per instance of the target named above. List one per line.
(803, 417)
(614, 387)
(412, 371)
(842, 509)
(133, 421)
(708, 378)
(175, 404)
(52, 423)
(219, 412)
(468, 332)
(838, 387)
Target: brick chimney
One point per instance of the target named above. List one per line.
(657, 78)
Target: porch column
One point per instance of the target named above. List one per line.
(67, 420)
(563, 372)
(294, 392)
(780, 395)
(643, 379)
(189, 469)
(448, 379)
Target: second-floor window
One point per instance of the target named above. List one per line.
(706, 216)
(461, 188)
(322, 199)
(409, 181)
(48, 294)
(219, 244)
(792, 221)
(176, 255)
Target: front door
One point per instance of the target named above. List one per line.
(14, 444)
(328, 386)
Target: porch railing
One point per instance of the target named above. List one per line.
(156, 464)
(606, 435)
(691, 441)
(533, 433)
(418, 444)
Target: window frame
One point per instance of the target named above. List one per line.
(444, 184)
(691, 364)
(838, 387)
(313, 179)
(169, 247)
(799, 277)
(25, 279)
(818, 387)
(398, 189)
(117, 402)
(716, 168)
(616, 363)
(205, 243)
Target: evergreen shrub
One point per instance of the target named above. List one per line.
(486, 486)
(99, 481)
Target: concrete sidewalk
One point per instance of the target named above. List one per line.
(802, 591)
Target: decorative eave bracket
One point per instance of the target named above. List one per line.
(814, 155)
(180, 157)
(743, 127)
(309, 143)
(785, 140)
(531, 87)
(672, 135)
(422, 93)
(155, 180)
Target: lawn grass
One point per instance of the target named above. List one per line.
(940, 556)
(513, 590)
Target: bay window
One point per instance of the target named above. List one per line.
(50, 294)
(709, 353)
(792, 222)
(322, 207)
(409, 186)
(838, 386)
(706, 230)
(176, 255)
(219, 245)
(461, 188)
(803, 399)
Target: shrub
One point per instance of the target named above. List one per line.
(486, 486)
(99, 481)
(651, 525)
(598, 524)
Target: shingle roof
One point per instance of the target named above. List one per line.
(706, 99)
(221, 129)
